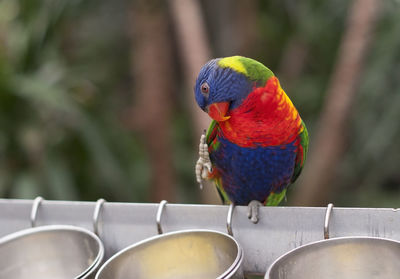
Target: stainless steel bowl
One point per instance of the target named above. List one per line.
(190, 254)
(344, 258)
(56, 252)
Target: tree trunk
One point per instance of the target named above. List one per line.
(153, 77)
(246, 26)
(195, 50)
(316, 185)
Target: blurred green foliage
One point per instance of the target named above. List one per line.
(371, 168)
(65, 78)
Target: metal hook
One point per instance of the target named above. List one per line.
(159, 214)
(327, 219)
(96, 214)
(35, 206)
(229, 219)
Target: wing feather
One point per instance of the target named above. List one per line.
(302, 150)
(213, 144)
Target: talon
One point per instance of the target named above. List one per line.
(204, 173)
(208, 166)
(253, 211)
(203, 164)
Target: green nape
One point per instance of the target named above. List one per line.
(275, 198)
(251, 68)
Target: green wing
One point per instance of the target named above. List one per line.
(274, 199)
(222, 194)
(211, 136)
(213, 144)
(301, 152)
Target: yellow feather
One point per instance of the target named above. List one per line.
(233, 63)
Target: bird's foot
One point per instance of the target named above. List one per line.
(203, 164)
(253, 210)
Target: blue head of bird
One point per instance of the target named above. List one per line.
(219, 89)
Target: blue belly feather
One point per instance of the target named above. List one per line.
(253, 173)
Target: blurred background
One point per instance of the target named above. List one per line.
(96, 97)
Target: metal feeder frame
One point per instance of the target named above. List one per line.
(279, 230)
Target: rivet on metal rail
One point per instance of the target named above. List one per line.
(229, 219)
(327, 219)
(35, 206)
(96, 214)
(159, 214)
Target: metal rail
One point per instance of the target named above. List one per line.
(279, 230)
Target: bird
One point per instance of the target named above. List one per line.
(257, 143)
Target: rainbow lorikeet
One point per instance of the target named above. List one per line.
(257, 143)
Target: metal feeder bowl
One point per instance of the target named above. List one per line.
(49, 252)
(344, 258)
(358, 257)
(186, 254)
(194, 254)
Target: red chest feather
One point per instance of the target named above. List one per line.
(266, 117)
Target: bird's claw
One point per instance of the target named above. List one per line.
(203, 164)
(253, 210)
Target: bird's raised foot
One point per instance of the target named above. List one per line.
(203, 164)
(253, 210)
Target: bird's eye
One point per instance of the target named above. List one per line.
(205, 89)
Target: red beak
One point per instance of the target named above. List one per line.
(217, 111)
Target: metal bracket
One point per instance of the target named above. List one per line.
(35, 206)
(159, 214)
(96, 214)
(327, 219)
